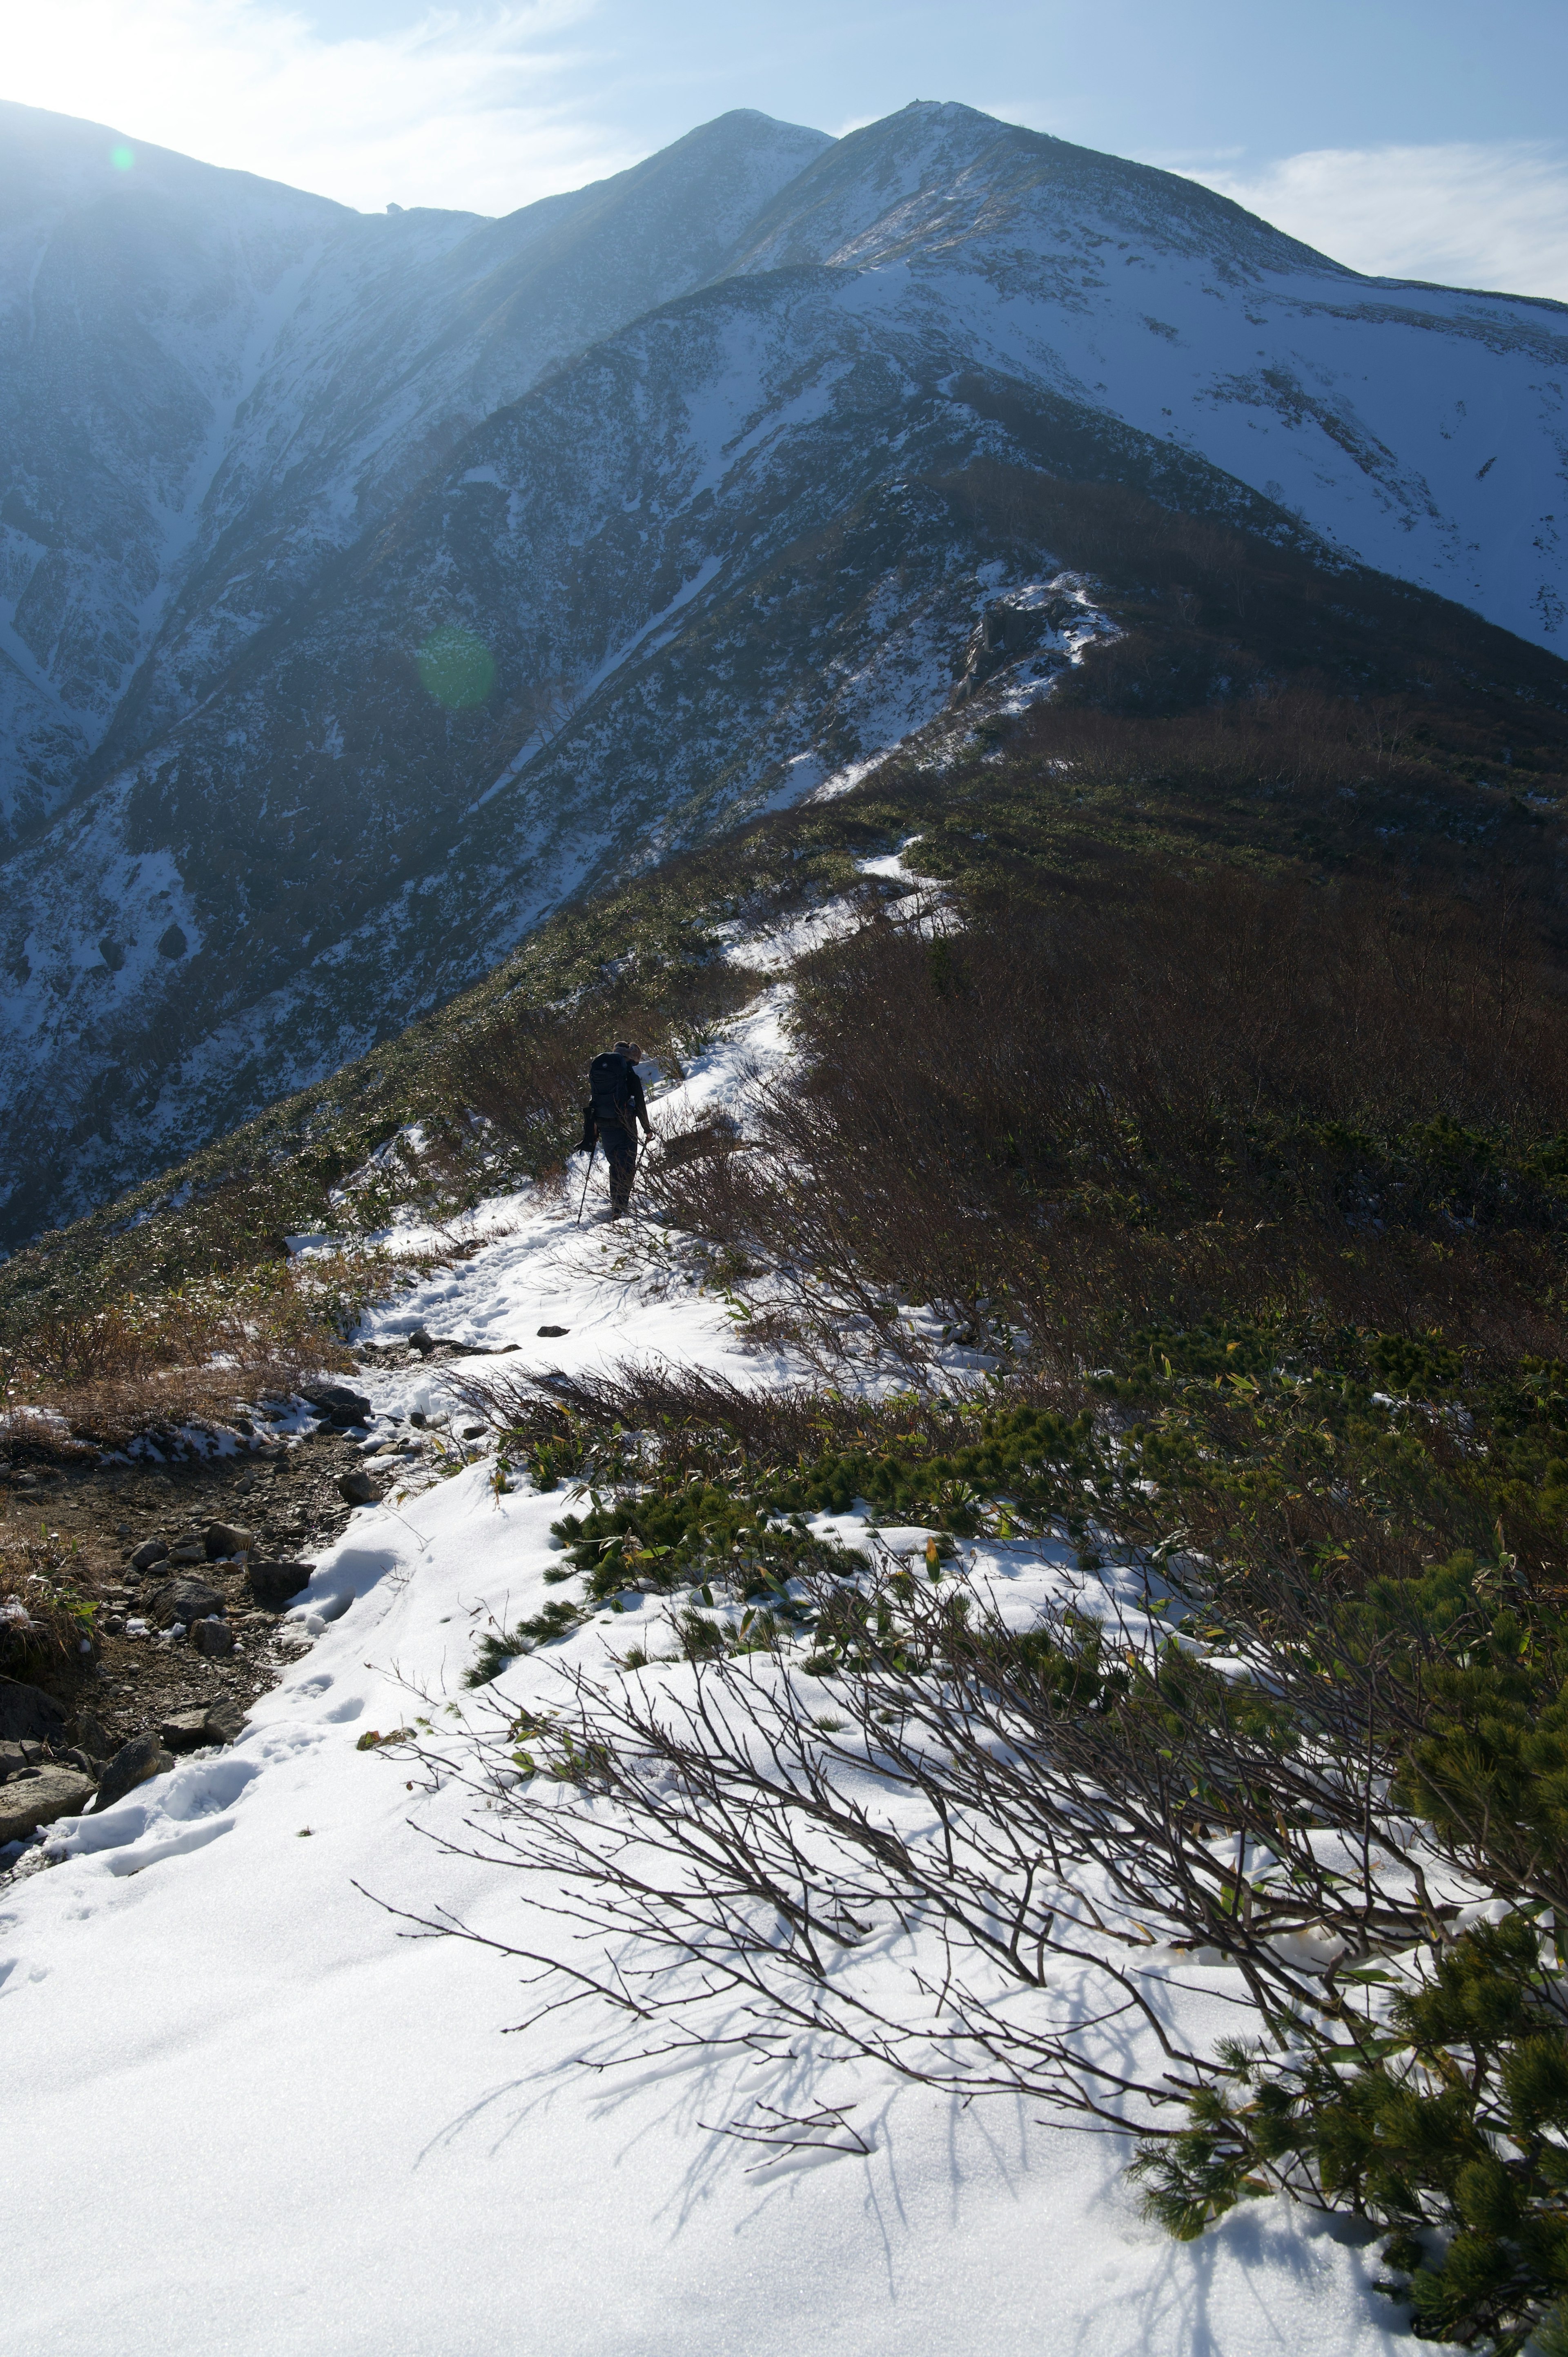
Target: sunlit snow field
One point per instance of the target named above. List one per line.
(245, 2112)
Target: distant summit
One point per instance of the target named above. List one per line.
(368, 581)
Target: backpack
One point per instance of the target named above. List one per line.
(609, 1089)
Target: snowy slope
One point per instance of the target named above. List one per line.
(669, 453)
(789, 605)
(393, 351)
(252, 2115)
(1423, 428)
(211, 384)
(133, 307)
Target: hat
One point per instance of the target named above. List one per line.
(625, 1048)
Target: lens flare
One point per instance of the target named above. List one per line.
(122, 157)
(458, 669)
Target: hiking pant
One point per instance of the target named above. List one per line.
(620, 1153)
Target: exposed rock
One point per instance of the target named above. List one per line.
(93, 1736)
(187, 1551)
(183, 1599)
(341, 1405)
(172, 942)
(273, 1581)
(359, 1490)
(228, 1538)
(184, 1730)
(38, 1796)
(553, 1333)
(193, 1730)
(212, 1638)
(132, 1764)
(14, 1757)
(225, 1721)
(444, 1346)
(27, 1715)
(151, 1551)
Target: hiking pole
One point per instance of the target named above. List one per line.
(586, 1176)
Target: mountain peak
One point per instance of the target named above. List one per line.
(365, 584)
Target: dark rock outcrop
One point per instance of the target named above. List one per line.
(226, 1539)
(38, 1796)
(194, 1730)
(27, 1715)
(134, 1763)
(273, 1581)
(338, 1403)
(183, 1599)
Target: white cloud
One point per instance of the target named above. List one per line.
(1490, 216)
(463, 107)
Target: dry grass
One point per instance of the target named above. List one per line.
(46, 1602)
(693, 1422)
(144, 1364)
(526, 1070)
(1167, 1101)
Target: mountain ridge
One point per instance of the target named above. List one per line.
(631, 551)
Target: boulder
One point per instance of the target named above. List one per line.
(187, 1551)
(338, 1403)
(93, 1736)
(151, 1551)
(212, 1638)
(27, 1715)
(225, 1720)
(132, 1764)
(273, 1582)
(359, 1490)
(38, 1796)
(431, 1346)
(553, 1333)
(14, 1757)
(183, 1599)
(184, 1730)
(228, 1538)
(193, 1730)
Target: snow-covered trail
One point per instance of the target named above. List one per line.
(245, 2113)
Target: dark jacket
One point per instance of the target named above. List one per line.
(637, 1110)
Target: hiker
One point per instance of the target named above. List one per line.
(616, 1103)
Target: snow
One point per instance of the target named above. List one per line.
(251, 2113)
(621, 537)
(644, 640)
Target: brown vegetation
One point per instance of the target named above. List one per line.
(1169, 1100)
(146, 1364)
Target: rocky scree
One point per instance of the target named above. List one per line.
(188, 1566)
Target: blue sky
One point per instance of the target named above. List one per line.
(1426, 139)
(1143, 75)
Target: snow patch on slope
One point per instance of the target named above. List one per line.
(215, 1938)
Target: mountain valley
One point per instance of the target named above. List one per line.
(374, 588)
